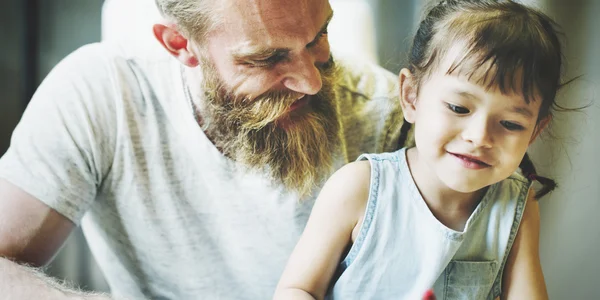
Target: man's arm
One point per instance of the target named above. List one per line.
(30, 233)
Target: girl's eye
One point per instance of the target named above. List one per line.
(457, 109)
(512, 126)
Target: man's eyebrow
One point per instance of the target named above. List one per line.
(256, 52)
(250, 53)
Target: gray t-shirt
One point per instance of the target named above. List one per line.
(110, 142)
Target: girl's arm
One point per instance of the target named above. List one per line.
(523, 278)
(337, 212)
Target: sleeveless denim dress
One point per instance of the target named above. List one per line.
(402, 249)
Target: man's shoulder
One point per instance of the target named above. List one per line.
(114, 68)
(99, 58)
(94, 55)
(366, 79)
(368, 106)
(101, 78)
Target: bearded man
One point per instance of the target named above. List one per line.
(192, 174)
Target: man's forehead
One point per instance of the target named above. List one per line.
(272, 22)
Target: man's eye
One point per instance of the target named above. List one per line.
(322, 35)
(512, 126)
(457, 109)
(267, 62)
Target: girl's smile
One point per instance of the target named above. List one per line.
(470, 161)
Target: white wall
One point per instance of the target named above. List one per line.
(570, 236)
(395, 22)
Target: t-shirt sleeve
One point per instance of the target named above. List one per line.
(63, 145)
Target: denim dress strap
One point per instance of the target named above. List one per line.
(497, 287)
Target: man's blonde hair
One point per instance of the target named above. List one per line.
(194, 18)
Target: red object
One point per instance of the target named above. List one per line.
(429, 295)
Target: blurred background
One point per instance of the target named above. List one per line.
(37, 34)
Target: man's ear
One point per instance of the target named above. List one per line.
(408, 95)
(539, 128)
(175, 43)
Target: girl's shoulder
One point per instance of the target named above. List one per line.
(357, 172)
(344, 196)
(395, 156)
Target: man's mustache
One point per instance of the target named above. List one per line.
(325, 70)
(257, 113)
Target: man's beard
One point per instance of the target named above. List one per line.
(295, 148)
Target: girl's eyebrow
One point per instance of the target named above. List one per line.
(464, 94)
(521, 110)
(524, 111)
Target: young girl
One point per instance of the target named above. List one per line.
(455, 213)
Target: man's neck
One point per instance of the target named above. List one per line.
(192, 77)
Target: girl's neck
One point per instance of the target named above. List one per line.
(450, 207)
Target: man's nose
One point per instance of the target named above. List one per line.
(303, 75)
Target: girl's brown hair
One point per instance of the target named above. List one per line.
(506, 45)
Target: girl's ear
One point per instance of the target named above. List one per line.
(539, 128)
(408, 95)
